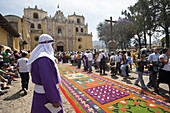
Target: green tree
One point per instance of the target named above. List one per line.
(121, 30)
(132, 15)
(162, 11)
(141, 8)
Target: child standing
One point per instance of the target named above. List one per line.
(141, 64)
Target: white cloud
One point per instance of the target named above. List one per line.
(94, 11)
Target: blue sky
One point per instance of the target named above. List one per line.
(94, 11)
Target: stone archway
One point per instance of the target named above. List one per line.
(60, 46)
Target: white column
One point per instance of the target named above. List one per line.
(73, 44)
(53, 28)
(46, 30)
(67, 44)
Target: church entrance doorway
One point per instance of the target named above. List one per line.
(60, 48)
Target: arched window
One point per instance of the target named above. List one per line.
(36, 38)
(80, 47)
(32, 25)
(59, 30)
(39, 26)
(81, 29)
(79, 39)
(78, 21)
(35, 15)
(77, 30)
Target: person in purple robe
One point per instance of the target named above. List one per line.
(85, 61)
(45, 76)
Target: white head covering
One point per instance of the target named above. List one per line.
(44, 48)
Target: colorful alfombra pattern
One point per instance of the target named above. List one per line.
(93, 93)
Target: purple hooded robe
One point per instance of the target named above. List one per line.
(44, 73)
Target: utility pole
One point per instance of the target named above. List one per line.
(111, 21)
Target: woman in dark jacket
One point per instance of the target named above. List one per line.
(164, 72)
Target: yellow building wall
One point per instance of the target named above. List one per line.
(33, 42)
(19, 25)
(26, 46)
(43, 27)
(16, 43)
(25, 34)
(89, 43)
(3, 37)
(86, 43)
(16, 39)
(26, 13)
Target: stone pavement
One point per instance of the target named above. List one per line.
(16, 102)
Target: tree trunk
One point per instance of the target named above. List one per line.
(139, 42)
(167, 36)
(150, 40)
(145, 37)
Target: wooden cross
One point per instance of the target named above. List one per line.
(111, 21)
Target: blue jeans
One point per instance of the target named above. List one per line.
(8, 77)
(123, 69)
(140, 78)
(89, 65)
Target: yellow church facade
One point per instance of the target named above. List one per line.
(69, 34)
(9, 37)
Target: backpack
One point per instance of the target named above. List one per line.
(103, 59)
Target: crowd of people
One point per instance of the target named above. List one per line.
(156, 63)
(12, 66)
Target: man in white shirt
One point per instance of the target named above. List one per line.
(90, 59)
(112, 63)
(106, 54)
(102, 62)
(118, 60)
(153, 76)
(23, 70)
